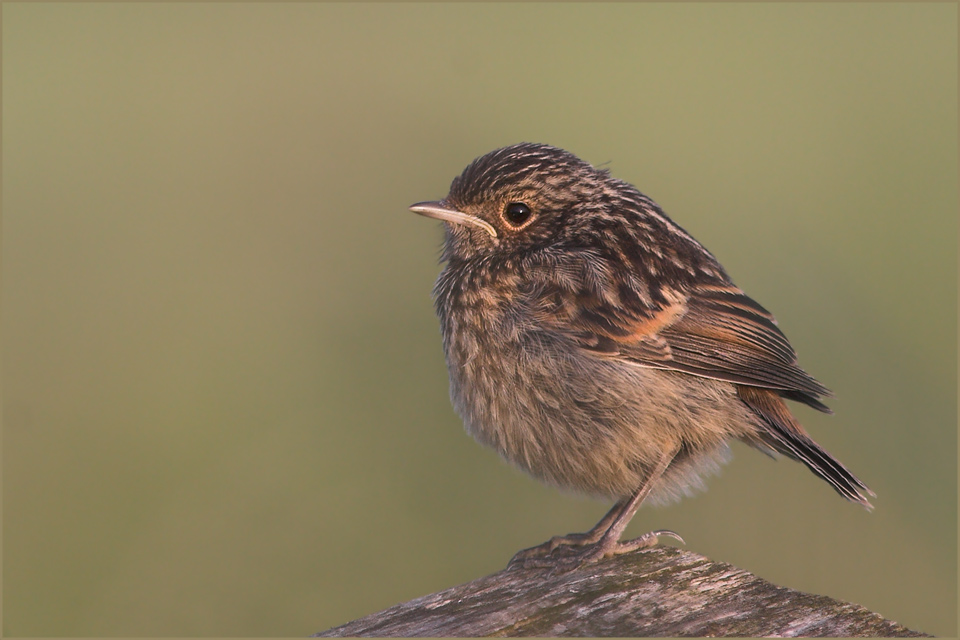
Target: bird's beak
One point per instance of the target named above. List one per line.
(440, 211)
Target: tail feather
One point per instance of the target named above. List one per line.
(785, 435)
(807, 399)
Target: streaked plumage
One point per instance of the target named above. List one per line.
(597, 345)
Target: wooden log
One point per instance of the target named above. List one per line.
(661, 591)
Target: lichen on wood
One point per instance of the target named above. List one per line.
(661, 591)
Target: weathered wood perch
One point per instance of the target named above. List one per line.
(662, 591)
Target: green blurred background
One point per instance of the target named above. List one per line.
(224, 398)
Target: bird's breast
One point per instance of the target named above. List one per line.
(487, 329)
(566, 416)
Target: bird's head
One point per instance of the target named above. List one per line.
(519, 199)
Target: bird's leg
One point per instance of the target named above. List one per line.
(605, 536)
(609, 544)
(572, 539)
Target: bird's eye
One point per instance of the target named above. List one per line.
(517, 213)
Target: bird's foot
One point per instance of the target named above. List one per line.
(609, 548)
(565, 553)
(554, 543)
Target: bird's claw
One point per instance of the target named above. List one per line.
(570, 552)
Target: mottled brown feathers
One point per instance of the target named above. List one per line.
(593, 342)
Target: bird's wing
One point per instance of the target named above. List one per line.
(711, 330)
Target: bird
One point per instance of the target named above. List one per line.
(596, 345)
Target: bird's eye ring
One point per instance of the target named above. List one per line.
(517, 214)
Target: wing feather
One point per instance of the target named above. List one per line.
(711, 330)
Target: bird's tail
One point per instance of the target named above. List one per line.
(785, 435)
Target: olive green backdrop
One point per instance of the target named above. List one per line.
(224, 397)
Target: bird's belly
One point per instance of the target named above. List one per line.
(593, 425)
